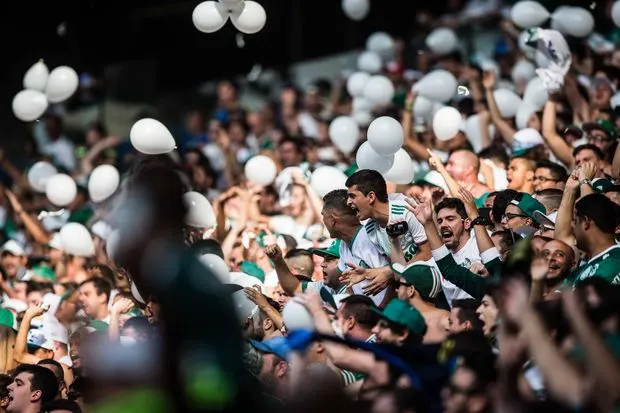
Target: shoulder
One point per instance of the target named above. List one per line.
(370, 227)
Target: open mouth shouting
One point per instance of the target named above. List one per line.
(447, 236)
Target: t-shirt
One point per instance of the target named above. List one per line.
(464, 257)
(326, 293)
(605, 265)
(364, 253)
(397, 213)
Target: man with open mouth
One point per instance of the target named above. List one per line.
(32, 388)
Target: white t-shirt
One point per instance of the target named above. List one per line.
(364, 253)
(63, 153)
(464, 257)
(397, 213)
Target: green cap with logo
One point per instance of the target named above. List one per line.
(401, 312)
(333, 251)
(7, 319)
(44, 271)
(251, 268)
(605, 185)
(526, 203)
(603, 125)
(424, 278)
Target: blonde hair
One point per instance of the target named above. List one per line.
(7, 347)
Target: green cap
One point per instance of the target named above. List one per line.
(424, 278)
(7, 319)
(252, 269)
(604, 126)
(333, 251)
(480, 201)
(528, 205)
(605, 185)
(400, 312)
(44, 271)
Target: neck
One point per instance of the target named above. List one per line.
(527, 187)
(32, 408)
(470, 179)
(347, 234)
(381, 213)
(359, 333)
(599, 244)
(103, 313)
(271, 334)
(421, 305)
(463, 240)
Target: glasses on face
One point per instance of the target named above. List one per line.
(544, 179)
(508, 216)
(382, 324)
(599, 138)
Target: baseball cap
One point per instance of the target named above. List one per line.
(603, 125)
(55, 331)
(276, 345)
(528, 204)
(7, 319)
(423, 277)
(13, 248)
(545, 220)
(573, 130)
(44, 271)
(38, 338)
(526, 139)
(605, 185)
(400, 312)
(333, 251)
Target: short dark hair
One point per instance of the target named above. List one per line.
(452, 203)
(367, 181)
(42, 379)
(550, 197)
(102, 286)
(337, 200)
(557, 171)
(298, 252)
(360, 307)
(62, 404)
(106, 272)
(600, 210)
(207, 246)
(599, 154)
(298, 143)
(507, 238)
(467, 312)
(501, 202)
(139, 323)
(58, 371)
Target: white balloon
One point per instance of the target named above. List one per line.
(381, 43)
(369, 62)
(29, 105)
(386, 135)
(103, 182)
(296, 317)
(575, 21)
(446, 123)
(61, 190)
(535, 93)
(261, 170)
(244, 280)
(528, 14)
(615, 13)
(76, 240)
(422, 107)
(112, 244)
(356, 83)
(39, 174)
(442, 41)
(200, 213)
(363, 119)
(474, 132)
(217, 266)
(36, 77)
(326, 179)
(507, 102)
(528, 51)
(367, 158)
(249, 18)
(61, 84)
(244, 307)
(401, 173)
(210, 16)
(344, 133)
(356, 9)
(361, 104)
(523, 71)
(151, 137)
(439, 85)
(524, 113)
(379, 90)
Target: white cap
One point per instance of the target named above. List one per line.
(39, 338)
(55, 331)
(526, 139)
(55, 242)
(14, 248)
(14, 304)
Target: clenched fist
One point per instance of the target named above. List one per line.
(274, 252)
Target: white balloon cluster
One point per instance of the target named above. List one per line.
(247, 16)
(573, 21)
(41, 88)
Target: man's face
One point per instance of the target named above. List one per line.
(586, 155)
(329, 220)
(600, 139)
(20, 394)
(559, 258)
(253, 329)
(517, 174)
(514, 218)
(289, 155)
(11, 263)
(55, 256)
(360, 203)
(457, 396)
(543, 179)
(451, 228)
(330, 271)
(458, 167)
(152, 311)
(455, 323)
(487, 312)
(580, 231)
(274, 369)
(280, 296)
(90, 301)
(385, 334)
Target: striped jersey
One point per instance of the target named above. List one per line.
(350, 377)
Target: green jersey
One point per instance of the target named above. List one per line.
(605, 265)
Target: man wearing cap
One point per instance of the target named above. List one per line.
(400, 324)
(419, 285)
(605, 186)
(274, 371)
(13, 260)
(520, 212)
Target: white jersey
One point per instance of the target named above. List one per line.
(364, 253)
(397, 213)
(464, 257)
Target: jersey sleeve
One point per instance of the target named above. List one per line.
(369, 254)
(416, 229)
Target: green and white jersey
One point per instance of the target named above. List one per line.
(350, 377)
(326, 293)
(398, 213)
(363, 252)
(605, 265)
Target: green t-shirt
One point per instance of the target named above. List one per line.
(605, 265)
